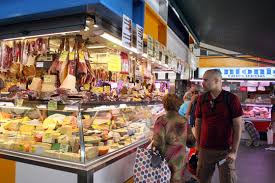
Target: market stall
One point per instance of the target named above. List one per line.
(77, 98)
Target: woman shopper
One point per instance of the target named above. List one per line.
(186, 100)
(169, 138)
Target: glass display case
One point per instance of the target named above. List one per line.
(74, 133)
(257, 112)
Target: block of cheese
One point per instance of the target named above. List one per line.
(36, 84)
(91, 152)
(51, 153)
(66, 130)
(92, 139)
(75, 157)
(26, 128)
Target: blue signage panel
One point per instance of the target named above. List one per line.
(244, 72)
(18, 8)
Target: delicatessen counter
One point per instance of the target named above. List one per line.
(71, 113)
(87, 142)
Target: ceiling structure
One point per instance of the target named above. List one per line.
(245, 27)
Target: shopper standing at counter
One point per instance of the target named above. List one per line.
(218, 129)
(170, 135)
(184, 107)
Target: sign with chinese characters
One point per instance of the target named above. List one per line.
(127, 32)
(150, 46)
(244, 73)
(139, 31)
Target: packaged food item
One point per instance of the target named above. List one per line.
(103, 150)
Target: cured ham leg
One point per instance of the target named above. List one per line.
(70, 80)
(81, 68)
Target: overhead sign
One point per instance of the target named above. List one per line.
(139, 31)
(244, 73)
(156, 48)
(127, 32)
(150, 46)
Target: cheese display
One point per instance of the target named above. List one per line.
(56, 134)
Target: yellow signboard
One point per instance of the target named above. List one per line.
(114, 63)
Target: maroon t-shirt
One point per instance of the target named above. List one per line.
(217, 124)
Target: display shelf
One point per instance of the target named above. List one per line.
(258, 119)
(256, 105)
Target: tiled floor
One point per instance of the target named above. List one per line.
(254, 165)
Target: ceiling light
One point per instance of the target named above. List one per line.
(40, 35)
(96, 47)
(117, 41)
(96, 26)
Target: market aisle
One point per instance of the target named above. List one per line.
(254, 165)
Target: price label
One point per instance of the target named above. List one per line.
(86, 86)
(72, 55)
(63, 56)
(47, 138)
(97, 90)
(107, 89)
(81, 57)
(52, 105)
(49, 79)
(64, 148)
(39, 64)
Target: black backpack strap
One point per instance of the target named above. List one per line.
(226, 99)
(205, 98)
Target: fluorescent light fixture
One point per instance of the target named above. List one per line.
(111, 38)
(196, 80)
(96, 47)
(117, 41)
(144, 55)
(249, 81)
(40, 35)
(172, 72)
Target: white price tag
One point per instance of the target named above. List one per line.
(39, 64)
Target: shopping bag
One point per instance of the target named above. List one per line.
(150, 167)
(270, 136)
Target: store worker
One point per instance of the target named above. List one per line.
(186, 101)
(218, 129)
(170, 134)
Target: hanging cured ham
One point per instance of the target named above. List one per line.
(70, 80)
(90, 72)
(81, 68)
(63, 62)
(56, 65)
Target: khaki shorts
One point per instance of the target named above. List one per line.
(208, 159)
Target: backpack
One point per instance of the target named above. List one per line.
(226, 100)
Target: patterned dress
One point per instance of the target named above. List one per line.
(170, 134)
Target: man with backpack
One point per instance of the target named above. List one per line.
(218, 129)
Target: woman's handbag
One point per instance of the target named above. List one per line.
(150, 167)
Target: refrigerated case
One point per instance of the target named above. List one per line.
(91, 141)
